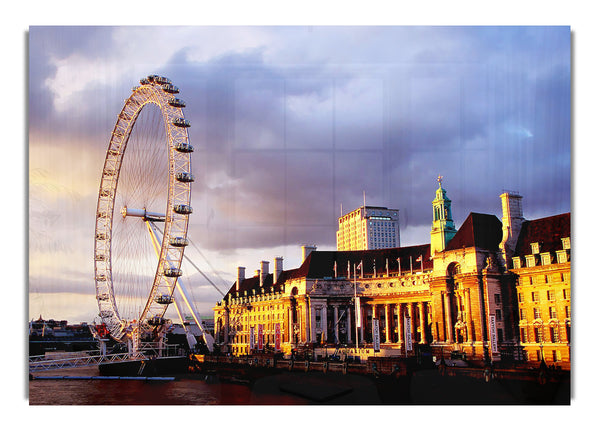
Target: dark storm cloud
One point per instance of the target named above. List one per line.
(283, 139)
(287, 145)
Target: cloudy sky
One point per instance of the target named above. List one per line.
(290, 126)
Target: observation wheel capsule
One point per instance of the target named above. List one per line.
(184, 147)
(157, 321)
(176, 103)
(172, 272)
(181, 122)
(164, 299)
(179, 242)
(184, 177)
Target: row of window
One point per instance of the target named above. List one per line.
(537, 314)
(267, 327)
(556, 356)
(566, 244)
(532, 260)
(550, 295)
(545, 279)
(539, 337)
(243, 311)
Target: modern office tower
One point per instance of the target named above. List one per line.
(368, 228)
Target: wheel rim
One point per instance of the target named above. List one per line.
(155, 94)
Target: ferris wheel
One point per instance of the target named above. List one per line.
(143, 212)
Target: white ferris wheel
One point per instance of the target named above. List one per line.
(142, 215)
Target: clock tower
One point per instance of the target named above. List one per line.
(442, 228)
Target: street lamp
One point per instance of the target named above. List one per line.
(540, 325)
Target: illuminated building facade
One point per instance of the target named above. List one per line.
(480, 290)
(542, 265)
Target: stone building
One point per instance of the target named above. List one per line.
(481, 290)
(542, 266)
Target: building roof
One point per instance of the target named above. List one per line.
(320, 264)
(547, 232)
(478, 230)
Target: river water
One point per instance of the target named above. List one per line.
(182, 391)
(291, 388)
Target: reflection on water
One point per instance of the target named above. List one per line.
(132, 392)
(426, 387)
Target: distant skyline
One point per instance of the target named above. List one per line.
(289, 124)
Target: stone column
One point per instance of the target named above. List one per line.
(226, 325)
(373, 317)
(469, 317)
(218, 326)
(306, 321)
(400, 309)
(448, 312)
(290, 325)
(422, 322)
(313, 324)
(349, 328)
(362, 326)
(324, 322)
(336, 331)
(388, 338)
(438, 315)
(411, 330)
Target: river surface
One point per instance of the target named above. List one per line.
(182, 391)
(291, 388)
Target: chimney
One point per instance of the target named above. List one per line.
(277, 268)
(263, 272)
(512, 220)
(306, 250)
(241, 275)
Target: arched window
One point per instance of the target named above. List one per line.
(453, 269)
